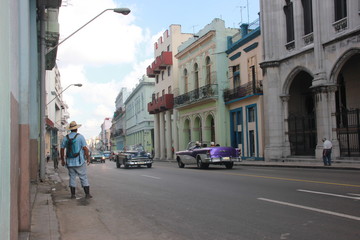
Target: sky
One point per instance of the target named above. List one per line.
(114, 50)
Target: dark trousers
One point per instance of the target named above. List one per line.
(327, 157)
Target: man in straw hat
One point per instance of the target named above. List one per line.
(76, 153)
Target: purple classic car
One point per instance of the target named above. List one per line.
(203, 155)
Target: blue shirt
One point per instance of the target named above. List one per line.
(80, 140)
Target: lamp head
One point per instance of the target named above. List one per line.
(78, 84)
(124, 11)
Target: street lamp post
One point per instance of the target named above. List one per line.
(74, 84)
(44, 53)
(124, 11)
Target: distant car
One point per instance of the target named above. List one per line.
(203, 156)
(132, 156)
(107, 154)
(97, 157)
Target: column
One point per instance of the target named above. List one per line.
(162, 136)
(332, 111)
(156, 136)
(175, 131)
(323, 118)
(285, 100)
(169, 144)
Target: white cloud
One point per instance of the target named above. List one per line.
(111, 39)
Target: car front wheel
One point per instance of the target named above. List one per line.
(180, 163)
(229, 165)
(149, 165)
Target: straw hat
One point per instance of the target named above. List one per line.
(73, 125)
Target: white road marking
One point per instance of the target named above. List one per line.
(329, 194)
(150, 176)
(312, 209)
(354, 194)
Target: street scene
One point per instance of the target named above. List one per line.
(246, 202)
(190, 120)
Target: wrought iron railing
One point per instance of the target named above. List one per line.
(244, 90)
(348, 132)
(205, 92)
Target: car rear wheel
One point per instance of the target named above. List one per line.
(200, 164)
(118, 165)
(229, 165)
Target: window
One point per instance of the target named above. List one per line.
(289, 14)
(163, 92)
(169, 71)
(196, 76)
(157, 78)
(340, 9)
(208, 70)
(162, 75)
(186, 81)
(308, 18)
(169, 90)
(236, 76)
(252, 74)
(168, 48)
(251, 114)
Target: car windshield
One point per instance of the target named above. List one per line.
(137, 148)
(191, 145)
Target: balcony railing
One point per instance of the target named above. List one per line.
(161, 104)
(244, 90)
(117, 133)
(202, 93)
(160, 63)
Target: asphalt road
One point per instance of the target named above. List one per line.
(166, 202)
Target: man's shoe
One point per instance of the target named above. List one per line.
(87, 192)
(72, 189)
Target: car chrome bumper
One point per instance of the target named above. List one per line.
(222, 159)
(139, 162)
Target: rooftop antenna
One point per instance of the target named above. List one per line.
(241, 8)
(247, 4)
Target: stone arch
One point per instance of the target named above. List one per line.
(290, 78)
(300, 107)
(187, 131)
(197, 129)
(339, 64)
(209, 127)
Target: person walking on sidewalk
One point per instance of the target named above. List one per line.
(327, 152)
(55, 157)
(76, 153)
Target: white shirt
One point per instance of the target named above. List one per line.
(327, 144)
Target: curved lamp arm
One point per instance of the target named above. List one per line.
(124, 11)
(75, 84)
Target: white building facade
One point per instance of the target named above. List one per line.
(139, 123)
(311, 77)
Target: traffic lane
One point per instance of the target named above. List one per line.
(226, 201)
(312, 190)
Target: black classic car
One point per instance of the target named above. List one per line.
(132, 156)
(203, 156)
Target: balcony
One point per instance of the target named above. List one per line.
(197, 95)
(117, 133)
(250, 88)
(160, 63)
(161, 104)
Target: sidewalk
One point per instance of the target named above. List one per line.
(44, 221)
